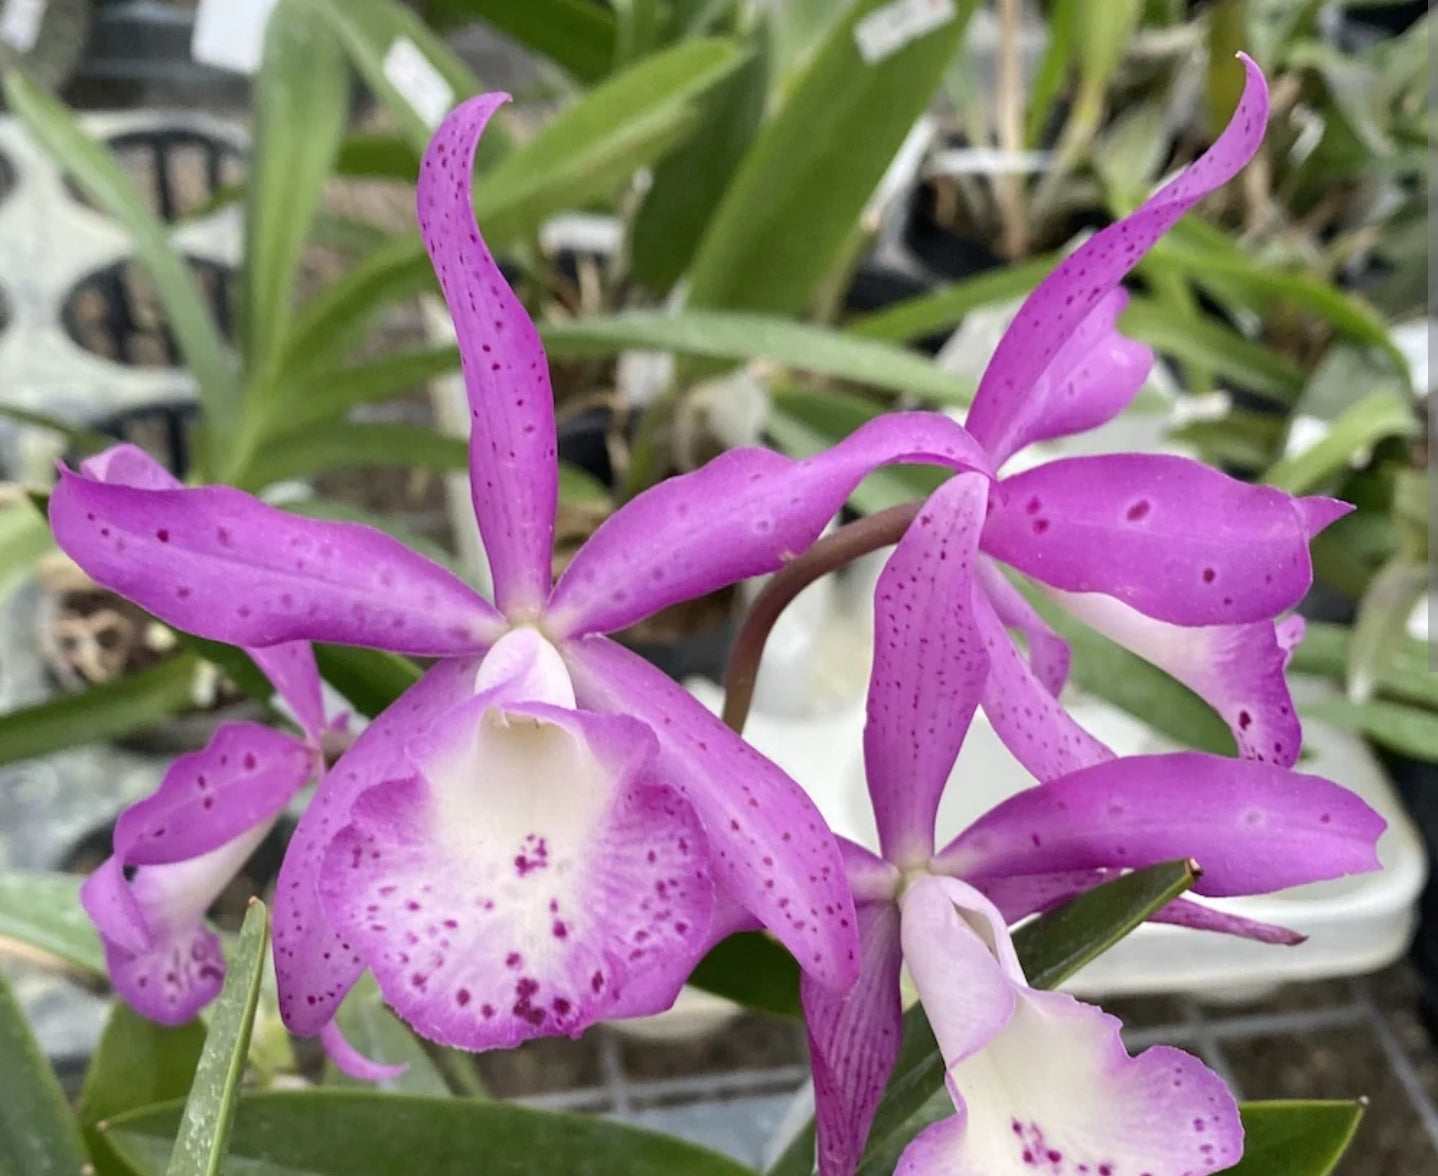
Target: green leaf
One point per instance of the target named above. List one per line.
(579, 487)
(102, 178)
(1056, 946)
(742, 337)
(353, 1133)
(1324, 650)
(346, 446)
(24, 538)
(369, 29)
(42, 911)
(37, 1135)
(369, 679)
(1372, 419)
(753, 970)
(204, 1132)
(322, 397)
(302, 69)
(382, 1037)
(944, 308)
(1381, 626)
(1295, 1138)
(377, 156)
(690, 181)
(1404, 729)
(81, 440)
(788, 217)
(592, 147)
(577, 35)
(117, 708)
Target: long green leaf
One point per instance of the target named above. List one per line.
(42, 912)
(1404, 729)
(1359, 427)
(789, 216)
(1325, 650)
(359, 1133)
(942, 309)
(116, 708)
(102, 178)
(1295, 1138)
(346, 446)
(741, 337)
(326, 396)
(204, 1131)
(24, 538)
(592, 147)
(369, 679)
(80, 439)
(37, 1135)
(751, 969)
(577, 35)
(377, 156)
(303, 70)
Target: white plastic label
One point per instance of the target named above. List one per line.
(888, 29)
(20, 23)
(421, 85)
(230, 34)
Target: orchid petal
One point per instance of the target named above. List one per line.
(870, 877)
(1170, 537)
(1042, 736)
(1236, 669)
(513, 887)
(349, 1060)
(1062, 302)
(1093, 377)
(291, 669)
(219, 563)
(768, 844)
(1049, 654)
(314, 966)
(1182, 912)
(129, 465)
(854, 1041)
(929, 667)
(1253, 828)
(513, 454)
(1053, 1089)
(747, 512)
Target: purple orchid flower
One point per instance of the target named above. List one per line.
(1040, 1081)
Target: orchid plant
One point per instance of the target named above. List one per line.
(546, 832)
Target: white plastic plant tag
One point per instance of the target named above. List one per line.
(888, 29)
(230, 34)
(421, 85)
(20, 22)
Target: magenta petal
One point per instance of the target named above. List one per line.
(291, 669)
(1170, 537)
(768, 844)
(314, 965)
(747, 512)
(853, 1042)
(1181, 912)
(349, 1060)
(513, 888)
(1062, 302)
(1093, 377)
(1023, 711)
(129, 465)
(1049, 654)
(172, 982)
(1236, 669)
(513, 456)
(929, 667)
(1320, 513)
(222, 564)
(1253, 828)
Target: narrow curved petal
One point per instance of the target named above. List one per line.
(1170, 537)
(1182, 912)
(1092, 378)
(1061, 303)
(512, 888)
(350, 1061)
(1253, 828)
(513, 454)
(129, 465)
(291, 669)
(747, 512)
(219, 563)
(930, 666)
(1049, 654)
(1053, 1089)
(854, 1040)
(768, 844)
(1236, 669)
(1035, 728)
(314, 965)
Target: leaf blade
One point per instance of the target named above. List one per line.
(37, 1135)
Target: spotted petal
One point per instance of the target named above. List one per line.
(768, 845)
(1065, 299)
(1049, 654)
(514, 885)
(513, 464)
(129, 465)
(219, 563)
(1052, 1089)
(1253, 828)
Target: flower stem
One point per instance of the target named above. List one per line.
(832, 552)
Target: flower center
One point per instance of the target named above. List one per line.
(528, 667)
